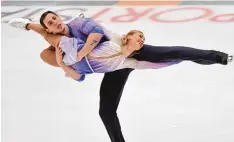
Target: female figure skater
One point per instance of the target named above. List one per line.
(105, 57)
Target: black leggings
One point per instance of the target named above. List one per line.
(110, 93)
(113, 83)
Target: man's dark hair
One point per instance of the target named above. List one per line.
(43, 17)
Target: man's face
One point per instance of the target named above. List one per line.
(54, 23)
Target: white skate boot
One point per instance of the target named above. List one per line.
(20, 23)
(230, 58)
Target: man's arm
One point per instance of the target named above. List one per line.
(94, 33)
(91, 43)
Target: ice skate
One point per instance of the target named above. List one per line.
(20, 23)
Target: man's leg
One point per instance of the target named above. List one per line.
(168, 53)
(110, 93)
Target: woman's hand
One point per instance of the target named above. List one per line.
(59, 56)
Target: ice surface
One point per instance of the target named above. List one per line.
(182, 103)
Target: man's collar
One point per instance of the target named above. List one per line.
(70, 31)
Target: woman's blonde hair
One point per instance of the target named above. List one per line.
(125, 38)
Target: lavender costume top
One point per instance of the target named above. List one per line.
(80, 28)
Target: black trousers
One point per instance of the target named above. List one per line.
(110, 94)
(113, 83)
(167, 53)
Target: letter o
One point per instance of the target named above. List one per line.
(155, 16)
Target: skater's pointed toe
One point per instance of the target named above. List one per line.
(19, 23)
(230, 58)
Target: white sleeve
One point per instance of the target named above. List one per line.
(69, 47)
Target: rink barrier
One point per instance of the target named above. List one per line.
(117, 3)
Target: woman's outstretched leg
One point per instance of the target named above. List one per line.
(27, 24)
(48, 55)
(37, 28)
(53, 39)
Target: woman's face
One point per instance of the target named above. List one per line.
(136, 40)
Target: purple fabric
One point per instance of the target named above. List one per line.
(79, 29)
